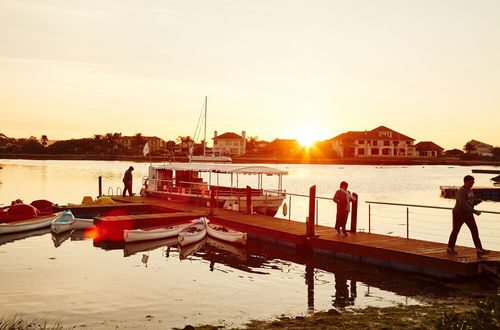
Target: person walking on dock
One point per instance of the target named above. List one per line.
(127, 181)
(463, 212)
(342, 198)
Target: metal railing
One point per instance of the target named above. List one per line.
(408, 206)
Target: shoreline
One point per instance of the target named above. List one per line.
(268, 160)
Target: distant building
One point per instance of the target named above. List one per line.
(379, 142)
(154, 143)
(230, 143)
(428, 149)
(284, 146)
(481, 148)
(453, 153)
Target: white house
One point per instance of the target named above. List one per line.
(481, 148)
(230, 143)
(379, 142)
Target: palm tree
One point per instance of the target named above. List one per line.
(138, 142)
(44, 140)
(186, 142)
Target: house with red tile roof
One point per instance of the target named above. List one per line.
(379, 142)
(229, 143)
(481, 148)
(428, 149)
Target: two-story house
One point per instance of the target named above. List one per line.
(481, 148)
(229, 143)
(132, 142)
(379, 142)
(428, 149)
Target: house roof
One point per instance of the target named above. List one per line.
(374, 134)
(428, 145)
(228, 136)
(475, 143)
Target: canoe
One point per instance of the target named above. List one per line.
(226, 234)
(27, 224)
(67, 221)
(143, 234)
(193, 233)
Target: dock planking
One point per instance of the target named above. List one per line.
(413, 255)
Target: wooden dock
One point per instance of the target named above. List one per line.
(486, 193)
(417, 256)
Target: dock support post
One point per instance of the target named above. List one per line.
(212, 202)
(312, 211)
(369, 218)
(354, 214)
(100, 186)
(407, 223)
(249, 200)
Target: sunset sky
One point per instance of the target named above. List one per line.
(287, 69)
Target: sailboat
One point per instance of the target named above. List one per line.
(207, 157)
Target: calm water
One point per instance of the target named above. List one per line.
(155, 285)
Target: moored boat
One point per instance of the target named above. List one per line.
(143, 234)
(226, 234)
(66, 221)
(184, 181)
(193, 233)
(27, 224)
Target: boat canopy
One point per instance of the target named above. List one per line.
(221, 168)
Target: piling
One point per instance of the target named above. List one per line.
(312, 212)
(354, 214)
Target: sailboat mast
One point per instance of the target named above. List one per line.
(205, 134)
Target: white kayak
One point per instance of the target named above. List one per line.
(27, 224)
(226, 234)
(194, 232)
(143, 234)
(67, 221)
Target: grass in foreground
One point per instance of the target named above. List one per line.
(16, 322)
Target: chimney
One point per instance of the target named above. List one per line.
(243, 134)
(215, 134)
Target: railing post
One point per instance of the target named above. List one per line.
(100, 186)
(407, 223)
(310, 219)
(249, 200)
(369, 218)
(354, 214)
(317, 211)
(290, 208)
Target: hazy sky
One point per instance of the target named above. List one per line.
(428, 69)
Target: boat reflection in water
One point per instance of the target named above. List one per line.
(188, 250)
(8, 238)
(144, 246)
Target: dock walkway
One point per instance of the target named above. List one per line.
(412, 255)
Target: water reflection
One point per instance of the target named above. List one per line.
(9, 238)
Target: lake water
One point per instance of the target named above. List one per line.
(153, 286)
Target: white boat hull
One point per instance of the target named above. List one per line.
(28, 224)
(66, 222)
(134, 235)
(226, 234)
(193, 233)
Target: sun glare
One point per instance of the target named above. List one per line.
(307, 137)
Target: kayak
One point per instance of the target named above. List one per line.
(194, 232)
(27, 224)
(226, 234)
(143, 234)
(67, 221)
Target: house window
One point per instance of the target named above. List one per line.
(361, 151)
(361, 142)
(408, 143)
(374, 151)
(387, 143)
(395, 143)
(236, 143)
(385, 151)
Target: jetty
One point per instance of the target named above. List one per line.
(486, 193)
(412, 255)
(486, 171)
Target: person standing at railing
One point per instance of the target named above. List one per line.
(343, 199)
(463, 212)
(127, 181)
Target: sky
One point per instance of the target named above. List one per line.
(272, 68)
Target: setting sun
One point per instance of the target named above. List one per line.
(307, 137)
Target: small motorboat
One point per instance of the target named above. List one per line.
(143, 234)
(194, 232)
(66, 221)
(226, 234)
(27, 224)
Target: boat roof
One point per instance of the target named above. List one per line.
(221, 168)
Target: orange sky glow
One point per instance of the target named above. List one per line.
(275, 69)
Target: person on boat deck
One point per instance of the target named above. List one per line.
(463, 212)
(127, 181)
(342, 198)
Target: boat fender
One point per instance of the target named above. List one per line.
(285, 209)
